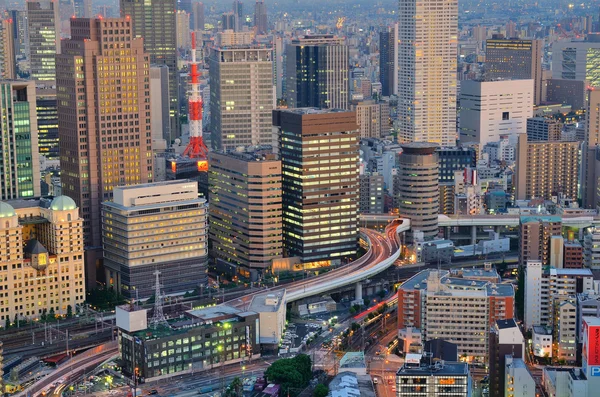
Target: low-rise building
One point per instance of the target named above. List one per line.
(518, 380)
(565, 330)
(591, 250)
(541, 341)
(506, 340)
(271, 309)
(440, 379)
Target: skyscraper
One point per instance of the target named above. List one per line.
(103, 86)
(47, 120)
(320, 183)
(388, 60)
(590, 161)
(427, 52)
(513, 59)
(44, 38)
(535, 233)
(238, 11)
(83, 8)
(577, 60)
(317, 72)
(241, 96)
(183, 29)
(20, 165)
(20, 32)
(154, 21)
(227, 21)
(543, 129)
(418, 179)
(260, 17)
(7, 50)
(197, 18)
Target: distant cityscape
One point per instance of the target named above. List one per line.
(285, 199)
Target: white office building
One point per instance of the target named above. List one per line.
(427, 53)
(518, 381)
(492, 109)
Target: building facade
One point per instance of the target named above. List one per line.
(260, 17)
(577, 60)
(197, 17)
(47, 120)
(319, 163)
(7, 50)
(514, 59)
(371, 194)
(246, 211)
(544, 169)
(241, 96)
(373, 118)
(535, 233)
(388, 60)
(20, 165)
(489, 109)
(418, 188)
(316, 73)
(427, 53)
(44, 38)
(443, 379)
(543, 129)
(41, 257)
(157, 226)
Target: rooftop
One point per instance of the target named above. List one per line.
(542, 330)
(592, 321)
(303, 111)
(505, 324)
(353, 360)
(269, 302)
(439, 369)
(540, 218)
(585, 272)
(460, 286)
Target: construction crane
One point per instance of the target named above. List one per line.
(196, 149)
(340, 22)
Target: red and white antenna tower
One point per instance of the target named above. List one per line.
(196, 149)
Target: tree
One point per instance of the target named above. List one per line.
(321, 391)
(44, 315)
(69, 311)
(293, 374)
(7, 323)
(352, 310)
(51, 314)
(235, 387)
(366, 302)
(355, 326)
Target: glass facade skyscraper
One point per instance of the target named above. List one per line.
(44, 40)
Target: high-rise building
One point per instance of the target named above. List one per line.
(454, 159)
(245, 208)
(427, 53)
(240, 108)
(518, 381)
(154, 22)
(418, 188)
(83, 8)
(197, 18)
(44, 38)
(104, 118)
(591, 253)
(544, 169)
(20, 32)
(41, 249)
(543, 129)
(47, 122)
(183, 29)
(176, 218)
(159, 102)
(260, 17)
(371, 193)
(535, 233)
(590, 171)
(388, 60)
(20, 165)
(434, 301)
(489, 109)
(7, 50)
(373, 118)
(184, 5)
(316, 72)
(505, 338)
(514, 59)
(238, 11)
(228, 21)
(577, 60)
(565, 91)
(320, 183)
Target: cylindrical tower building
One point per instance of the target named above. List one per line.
(419, 188)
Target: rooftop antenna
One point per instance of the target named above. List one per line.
(158, 318)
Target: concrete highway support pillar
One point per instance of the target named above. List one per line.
(447, 232)
(358, 292)
(497, 229)
(473, 235)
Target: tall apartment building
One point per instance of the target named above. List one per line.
(316, 73)
(44, 38)
(489, 109)
(182, 26)
(245, 208)
(7, 50)
(546, 287)
(41, 258)
(544, 169)
(371, 194)
(506, 338)
(373, 118)
(440, 305)
(47, 122)
(197, 18)
(20, 165)
(427, 53)
(535, 233)
(241, 96)
(154, 22)
(388, 60)
(543, 129)
(320, 183)
(590, 171)
(418, 188)
(260, 17)
(514, 59)
(564, 332)
(103, 94)
(156, 226)
(591, 248)
(576, 60)
(518, 380)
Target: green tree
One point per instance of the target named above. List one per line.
(352, 310)
(7, 323)
(366, 302)
(355, 326)
(51, 314)
(293, 374)
(235, 388)
(44, 315)
(321, 391)
(69, 311)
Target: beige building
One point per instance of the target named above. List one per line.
(373, 118)
(271, 309)
(7, 50)
(535, 237)
(241, 96)
(182, 23)
(544, 169)
(230, 37)
(41, 258)
(155, 226)
(245, 208)
(103, 94)
(590, 158)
